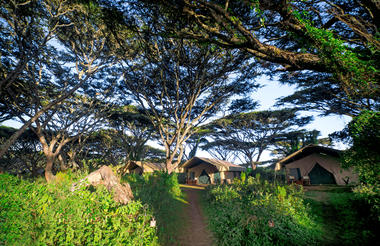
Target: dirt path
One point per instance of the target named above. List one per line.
(196, 232)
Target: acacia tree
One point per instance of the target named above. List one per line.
(24, 156)
(335, 37)
(290, 142)
(123, 136)
(68, 46)
(132, 130)
(27, 27)
(61, 125)
(180, 83)
(250, 134)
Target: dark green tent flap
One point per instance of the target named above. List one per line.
(319, 175)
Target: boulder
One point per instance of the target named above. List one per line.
(105, 176)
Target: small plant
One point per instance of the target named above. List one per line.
(33, 213)
(257, 212)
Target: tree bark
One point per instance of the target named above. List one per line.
(49, 176)
(253, 165)
(169, 166)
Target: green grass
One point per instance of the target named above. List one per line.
(162, 193)
(324, 216)
(344, 217)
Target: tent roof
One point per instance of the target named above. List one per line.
(307, 150)
(153, 166)
(219, 164)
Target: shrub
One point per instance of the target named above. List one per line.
(364, 154)
(36, 213)
(357, 215)
(270, 174)
(259, 213)
(162, 193)
(370, 195)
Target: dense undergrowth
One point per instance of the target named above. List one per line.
(255, 212)
(161, 191)
(36, 213)
(354, 219)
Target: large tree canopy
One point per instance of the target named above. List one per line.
(323, 36)
(49, 50)
(250, 134)
(180, 84)
(328, 48)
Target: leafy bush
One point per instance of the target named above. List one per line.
(34, 213)
(162, 193)
(259, 213)
(270, 174)
(356, 216)
(364, 154)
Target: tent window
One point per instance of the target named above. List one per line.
(295, 172)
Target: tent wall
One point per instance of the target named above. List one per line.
(210, 170)
(231, 175)
(331, 164)
(136, 170)
(139, 169)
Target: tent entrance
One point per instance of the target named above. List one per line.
(204, 178)
(319, 175)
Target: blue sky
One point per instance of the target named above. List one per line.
(272, 90)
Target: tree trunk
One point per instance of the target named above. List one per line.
(170, 169)
(105, 176)
(253, 164)
(49, 169)
(62, 163)
(169, 166)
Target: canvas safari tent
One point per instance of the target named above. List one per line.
(201, 170)
(319, 164)
(140, 167)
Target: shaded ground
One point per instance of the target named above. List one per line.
(320, 193)
(196, 232)
(318, 197)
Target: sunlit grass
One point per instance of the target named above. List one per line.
(163, 195)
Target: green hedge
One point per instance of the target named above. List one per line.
(162, 193)
(34, 213)
(252, 212)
